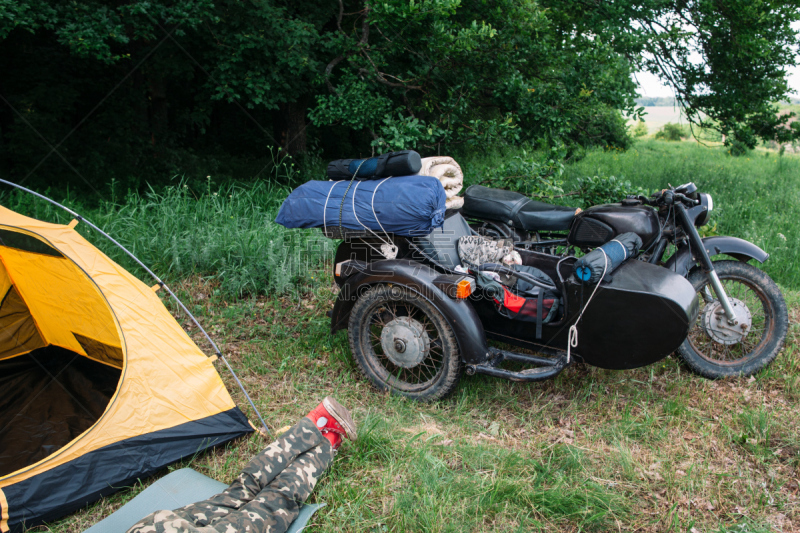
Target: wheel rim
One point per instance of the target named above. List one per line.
(403, 345)
(761, 324)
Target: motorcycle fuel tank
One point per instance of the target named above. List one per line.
(599, 224)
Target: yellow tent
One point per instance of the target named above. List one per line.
(99, 384)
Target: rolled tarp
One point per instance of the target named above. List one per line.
(590, 267)
(407, 206)
(449, 173)
(403, 163)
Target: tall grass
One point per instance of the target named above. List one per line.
(228, 234)
(756, 196)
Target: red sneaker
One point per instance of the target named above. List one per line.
(333, 421)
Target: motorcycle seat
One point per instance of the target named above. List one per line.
(516, 210)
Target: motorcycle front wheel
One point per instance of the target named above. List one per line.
(715, 349)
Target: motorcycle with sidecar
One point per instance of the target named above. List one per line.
(417, 321)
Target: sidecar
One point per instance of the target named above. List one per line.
(416, 321)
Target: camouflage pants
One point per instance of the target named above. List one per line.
(267, 495)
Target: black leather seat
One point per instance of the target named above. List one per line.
(515, 209)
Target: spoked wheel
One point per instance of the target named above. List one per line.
(716, 349)
(403, 344)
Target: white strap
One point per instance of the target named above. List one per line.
(572, 338)
(373, 203)
(325, 209)
(388, 249)
(624, 249)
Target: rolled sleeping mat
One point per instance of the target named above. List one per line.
(589, 268)
(448, 171)
(403, 163)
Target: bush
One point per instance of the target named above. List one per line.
(602, 126)
(529, 174)
(640, 130)
(596, 190)
(737, 148)
(672, 132)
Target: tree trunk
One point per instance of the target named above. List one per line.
(292, 136)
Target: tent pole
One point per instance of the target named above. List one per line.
(160, 282)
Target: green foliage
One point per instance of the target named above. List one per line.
(744, 50)
(596, 190)
(134, 89)
(672, 132)
(737, 147)
(528, 174)
(640, 130)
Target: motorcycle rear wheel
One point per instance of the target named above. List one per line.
(713, 359)
(403, 344)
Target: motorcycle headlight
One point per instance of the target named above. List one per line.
(708, 203)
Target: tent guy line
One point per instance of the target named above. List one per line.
(161, 283)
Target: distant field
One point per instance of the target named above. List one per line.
(656, 117)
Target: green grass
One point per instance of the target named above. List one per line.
(756, 197)
(653, 449)
(226, 233)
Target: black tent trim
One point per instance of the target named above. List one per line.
(52, 494)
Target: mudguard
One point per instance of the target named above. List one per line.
(683, 260)
(419, 278)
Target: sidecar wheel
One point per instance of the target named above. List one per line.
(715, 352)
(403, 344)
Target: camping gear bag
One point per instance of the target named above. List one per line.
(525, 300)
(589, 268)
(407, 206)
(403, 163)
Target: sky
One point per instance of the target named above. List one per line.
(650, 85)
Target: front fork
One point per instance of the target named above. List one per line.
(705, 262)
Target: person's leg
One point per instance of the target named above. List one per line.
(295, 462)
(275, 508)
(258, 473)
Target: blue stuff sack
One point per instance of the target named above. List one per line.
(407, 206)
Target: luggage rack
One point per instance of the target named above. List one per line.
(337, 233)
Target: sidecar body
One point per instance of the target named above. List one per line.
(637, 315)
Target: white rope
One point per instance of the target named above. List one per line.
(572, 338)
(624, 250)
(373, 203)
(391, 250)
(325, 209)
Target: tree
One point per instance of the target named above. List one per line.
(192, 79)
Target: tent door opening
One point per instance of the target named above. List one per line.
(50, 396)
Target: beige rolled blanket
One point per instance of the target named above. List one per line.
(447, 171)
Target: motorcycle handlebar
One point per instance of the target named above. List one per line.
(667, 197)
